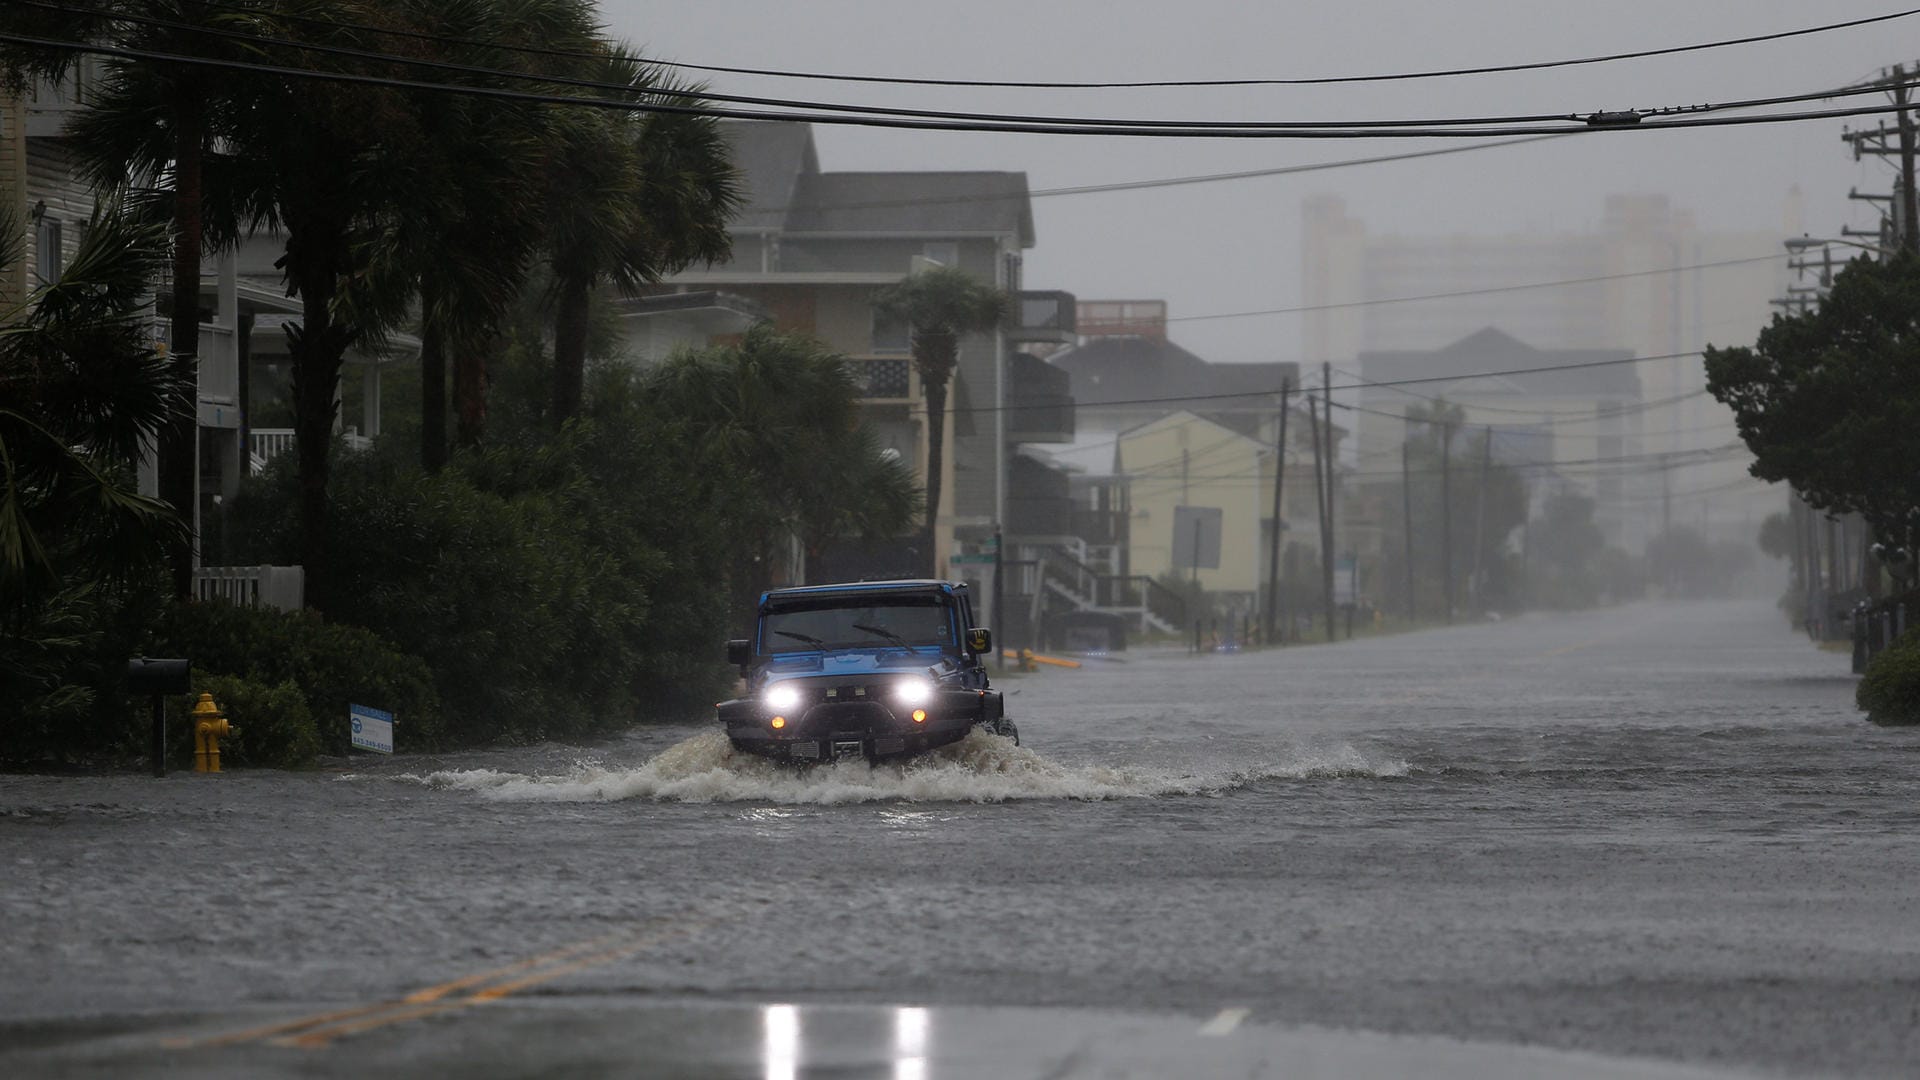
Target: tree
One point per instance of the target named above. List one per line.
(81, 387)
(1828, 400)
(1495, 490)
(631, 198)
(774, 424)
(942, 305)
(473, 224)
(169, 111)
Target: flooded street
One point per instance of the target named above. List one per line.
(1654, 832)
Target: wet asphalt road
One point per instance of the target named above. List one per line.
(1657, 834)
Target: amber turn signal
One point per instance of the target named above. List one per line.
(919, 716)
(778, 722)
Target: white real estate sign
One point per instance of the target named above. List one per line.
(372, 729)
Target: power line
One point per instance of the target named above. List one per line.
(1490, 291)
(1132, 130)
(1275, 392)
(1042, 85)
(552, 78)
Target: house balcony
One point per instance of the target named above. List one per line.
(1039, 404)
(1044, 318)
(886, 379)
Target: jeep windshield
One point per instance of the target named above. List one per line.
(859, 623)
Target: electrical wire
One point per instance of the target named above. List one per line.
(1489, 291)
(1275, 392)
(1044, 85)
(1132, 130)
(699, 96)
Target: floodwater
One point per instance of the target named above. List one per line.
(1654, 832)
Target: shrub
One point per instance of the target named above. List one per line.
(1890, 690)
(276, 728)
(333, 665)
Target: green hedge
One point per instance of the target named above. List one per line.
(1890, 690)
(333, 666)
(275, 727)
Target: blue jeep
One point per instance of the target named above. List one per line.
(873, 669)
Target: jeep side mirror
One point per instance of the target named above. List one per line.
(739, 652)
(979, 640)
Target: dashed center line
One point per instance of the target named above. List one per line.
(480, 988)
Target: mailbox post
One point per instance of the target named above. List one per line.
(157, 677)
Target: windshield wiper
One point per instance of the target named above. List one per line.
(888, 634)
(808, 638)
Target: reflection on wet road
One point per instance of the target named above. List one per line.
(1653, 834)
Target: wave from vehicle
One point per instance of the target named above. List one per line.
(978, 768)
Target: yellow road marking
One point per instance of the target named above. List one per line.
(322, 1028)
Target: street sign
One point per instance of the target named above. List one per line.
(372, 729)
(971, 560)
(1346, 581)
(1196, 537)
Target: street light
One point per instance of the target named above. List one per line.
(1798, 244)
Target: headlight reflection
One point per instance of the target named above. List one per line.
(909, 1044)
(781, 1024)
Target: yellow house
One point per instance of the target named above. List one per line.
(1222, 477)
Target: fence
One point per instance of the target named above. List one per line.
(1878, 625)
(281, 587)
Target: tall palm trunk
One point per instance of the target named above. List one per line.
(935, 354)
(569, 348)
(177, 448)
(317, 349)
(433, 384)
(470, 385)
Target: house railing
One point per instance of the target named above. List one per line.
(269, 443)
(280, 587)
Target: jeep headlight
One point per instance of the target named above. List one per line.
(913, 691)
(781, 697)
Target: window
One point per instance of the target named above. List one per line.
(944, 252)
(46, 249)
(891, 334)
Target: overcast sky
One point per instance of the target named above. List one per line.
(1233, 246)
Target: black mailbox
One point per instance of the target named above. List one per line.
(147, 675)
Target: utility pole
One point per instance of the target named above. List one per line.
(1406, 514)
(1909, 218)
(1446, 513)
(1321, 503)
(1478, 581)
(1269, 622)
(1326, 519)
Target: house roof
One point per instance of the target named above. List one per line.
(1119, 370)
(771, 156)
(914, 202)
(783, 188)
(1491, 349)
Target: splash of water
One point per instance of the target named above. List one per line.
(978, 768)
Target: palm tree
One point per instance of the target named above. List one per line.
(942, 305)
(633, 197)
(168, 112)
(481, 161)
(81, 387)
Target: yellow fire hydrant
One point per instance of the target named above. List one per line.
(209, 727)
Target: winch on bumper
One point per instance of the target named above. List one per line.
(834, 720)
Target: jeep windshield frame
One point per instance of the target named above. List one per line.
(918, 620)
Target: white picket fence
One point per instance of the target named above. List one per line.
(282, 587)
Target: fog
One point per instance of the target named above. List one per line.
(1234, 246)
